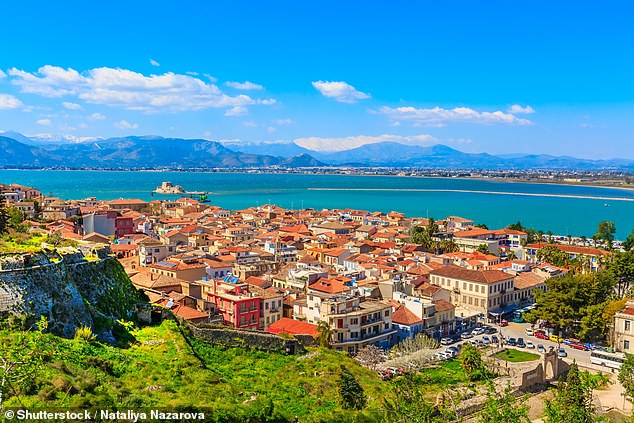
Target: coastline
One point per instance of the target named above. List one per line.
(353, 172)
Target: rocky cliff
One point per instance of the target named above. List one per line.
(68, 289)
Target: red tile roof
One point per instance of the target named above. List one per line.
(404, 316)
(294, 327)
(442, 305)
(481, 276)
(329, 286)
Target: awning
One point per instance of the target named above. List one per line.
(499, 311)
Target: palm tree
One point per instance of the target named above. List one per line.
(569, 239)
(595, 238)
(324, 334)
(550, 236)
(540, 236)
(584, 239)
(511, 255)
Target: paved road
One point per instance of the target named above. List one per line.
(518, 330)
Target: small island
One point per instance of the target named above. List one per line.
(169, 188)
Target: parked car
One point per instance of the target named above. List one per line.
(540, 348)
(556, 338)
(529, 332)
(562, 353)
(477, 331)
(576, 346)
(494, 339)
(529, 344)
(490, 330)
(504, 323)
(511, 342)
(486, 340)
(466, 335)
(454, 350)
(446, 341)
(541, 335)
(520, 342)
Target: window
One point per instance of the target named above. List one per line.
(626, 345)
(387, 313)
(464, 286)
(628, 325)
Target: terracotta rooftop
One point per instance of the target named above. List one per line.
(404, 316)
(294, 327)
(480, 276)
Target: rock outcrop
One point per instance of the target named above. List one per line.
(69, 290)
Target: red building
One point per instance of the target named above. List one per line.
(239, 307)
(123, 226)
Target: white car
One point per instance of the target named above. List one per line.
(530, 332)
(477, 331)
(529, 344)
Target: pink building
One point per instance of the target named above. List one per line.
(239, 307)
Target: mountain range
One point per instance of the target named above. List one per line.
(145, 152)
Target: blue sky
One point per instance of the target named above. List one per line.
(498, 76)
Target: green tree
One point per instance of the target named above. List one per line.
(622, 267)
(511, 255)
(550, 237)
(517, 226)
(482, 226)
(483, 248)
(351, 393)
(570, 298)
(448, 246)
(573, 401)
(606, 231)
(16, 217)
(626, 375)
(471, 362)
(21, 358)
(4, 217)
(324, 334)
(503, 407)
(628, 244)
(553, 255)
(424, 235)
(409, 403)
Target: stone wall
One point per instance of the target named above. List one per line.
(69, 293)
(237, 338)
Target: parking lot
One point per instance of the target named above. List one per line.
(516, 331)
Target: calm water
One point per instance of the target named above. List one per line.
(495, 203)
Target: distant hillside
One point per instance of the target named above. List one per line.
(286, 149)
(140, 152)
(178, 153)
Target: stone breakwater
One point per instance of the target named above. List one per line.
(68, 290)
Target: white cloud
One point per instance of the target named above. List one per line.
(237, 111)
(346, 143)
(246, 85)
(43, 122)
(340, 91)
(130, 90)
(72, 106)
(124, 124)
(283, 122)
(271, 129)
(440, 117)
(154, 63)
(7, 101)
(96, 116)
(250, 124)
(519, 110)
(2, 74)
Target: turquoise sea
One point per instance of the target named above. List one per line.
(562, 209)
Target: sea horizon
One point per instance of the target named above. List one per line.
(546, 207)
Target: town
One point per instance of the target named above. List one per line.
(355, 281)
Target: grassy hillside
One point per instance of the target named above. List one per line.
(162, 369)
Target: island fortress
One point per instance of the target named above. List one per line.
(168, 188)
